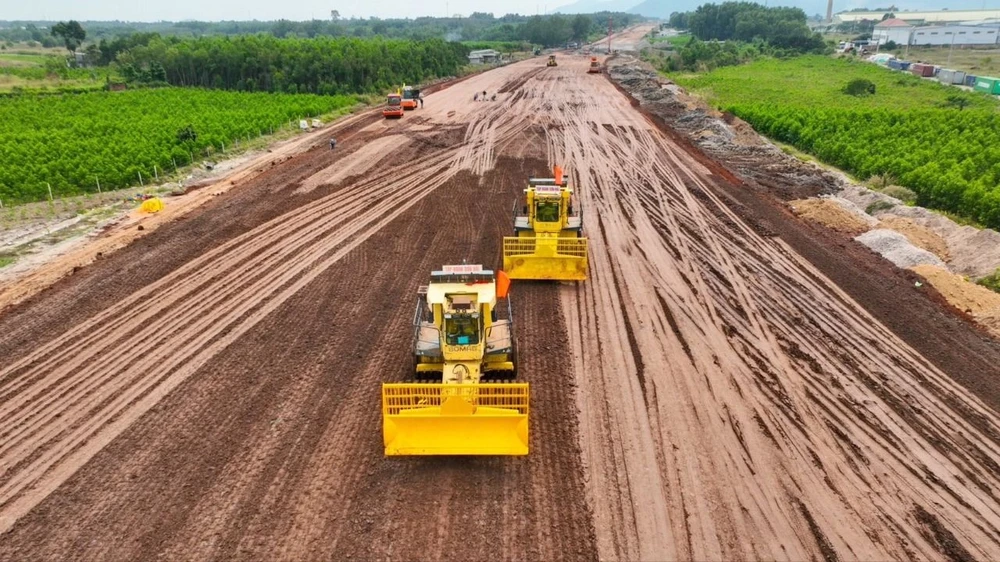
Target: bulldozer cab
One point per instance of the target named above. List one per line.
(548, 208)
(462, 329)
(463, 337)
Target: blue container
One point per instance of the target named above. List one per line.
(970, 81)
(904, 65)
(895, 65)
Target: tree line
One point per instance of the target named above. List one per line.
(733, 33)
(323, 65)
(780, 27)
(550, 30)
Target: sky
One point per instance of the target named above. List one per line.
(214, 10)
(297, 10)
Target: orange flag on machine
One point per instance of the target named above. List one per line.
(503, 284)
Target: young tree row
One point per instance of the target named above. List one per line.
(73, 141)
(950, 158)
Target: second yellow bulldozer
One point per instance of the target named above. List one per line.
(548, 242)
(463, 340)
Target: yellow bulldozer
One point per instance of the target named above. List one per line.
(463, 401)
(548, 240)
(551, 61)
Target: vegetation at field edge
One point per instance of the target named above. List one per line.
(912, 129)
(73, 141)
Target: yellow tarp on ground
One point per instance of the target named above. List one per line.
(153, 205)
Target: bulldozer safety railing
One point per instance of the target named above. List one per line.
(399, 397)
(515, 246)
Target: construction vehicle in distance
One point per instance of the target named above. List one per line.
(463, 339)
(548, 240)
(595, 67)
(393, 107)
(552, 61)
(410, 97)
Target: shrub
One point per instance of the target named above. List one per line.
(991, 282)
(878, 206)
(907, 196)
(881, 181)
(860, 87)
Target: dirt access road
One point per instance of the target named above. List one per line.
(211, 391)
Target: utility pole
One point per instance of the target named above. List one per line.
(610, 30)
(952, 48)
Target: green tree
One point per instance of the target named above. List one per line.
(581, 27)
(71, 32)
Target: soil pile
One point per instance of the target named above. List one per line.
(979, 302)
(919, 235)
(896, 248)
(831, 215)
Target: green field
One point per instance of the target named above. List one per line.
(71, 140)
(46, 71)
(22, 59)
(911, 129)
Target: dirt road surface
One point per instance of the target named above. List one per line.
(211, 391)
(628, 39)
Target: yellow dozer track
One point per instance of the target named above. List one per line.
(463, 343)
(548, 240)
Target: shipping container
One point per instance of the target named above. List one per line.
(948, 76)
(904, 65)
(987, 85)
(920, 69)
(894, 65)
(970, 80)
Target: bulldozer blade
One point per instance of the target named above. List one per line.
(455, 419)
(553, 259)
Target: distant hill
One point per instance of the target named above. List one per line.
(649, 8)
(594, 6)
(663, 8)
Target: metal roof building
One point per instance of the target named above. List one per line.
(942, 16)
(484, 56)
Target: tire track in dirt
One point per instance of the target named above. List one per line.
(772, 406)
(733, 402)
(288, 462)
(300, 252)
(137, 377)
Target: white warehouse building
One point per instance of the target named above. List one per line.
(895, 30)
(902, 33)
(956, 34)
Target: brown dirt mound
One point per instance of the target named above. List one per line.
(829, 214)
(920, 236)
(979, 302)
